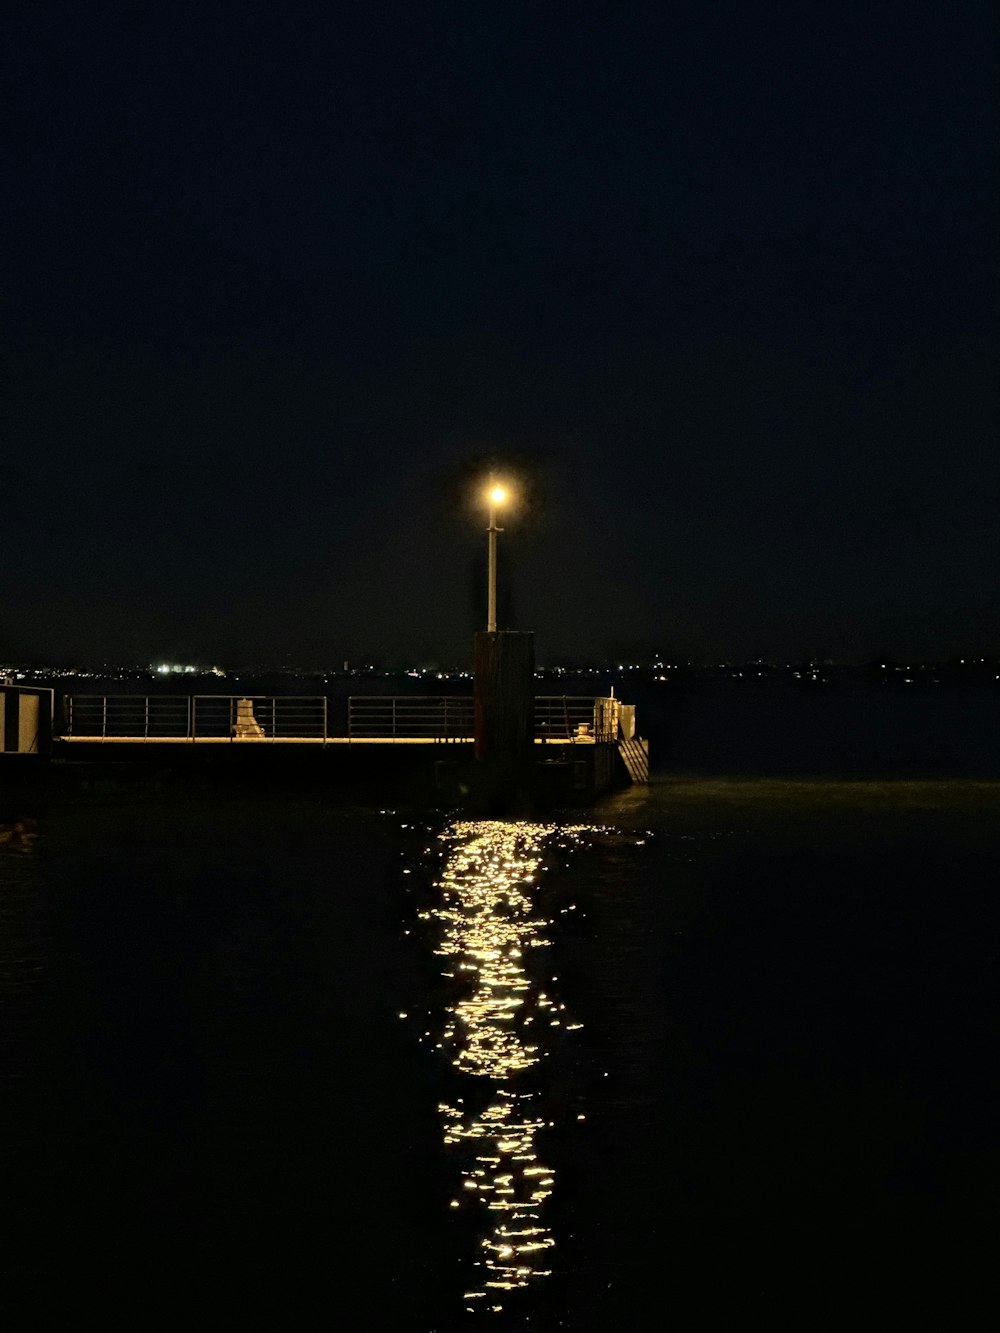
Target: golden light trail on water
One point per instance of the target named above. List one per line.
(495, 1032)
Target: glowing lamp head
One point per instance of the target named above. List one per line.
(498, 495)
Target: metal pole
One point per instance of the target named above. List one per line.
(491, 613)
(491, 534)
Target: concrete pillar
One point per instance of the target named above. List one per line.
(25, 720)
(28, 715)
(504, 696)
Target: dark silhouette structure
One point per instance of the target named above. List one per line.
(504, 689)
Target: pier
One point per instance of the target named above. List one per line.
(591, 739)
(493, 748)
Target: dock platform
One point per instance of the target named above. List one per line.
(582, 744)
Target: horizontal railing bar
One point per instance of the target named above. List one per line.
(273, 717)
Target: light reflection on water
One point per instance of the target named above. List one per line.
(495, 1033)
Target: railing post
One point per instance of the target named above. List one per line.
(324, 721)
(145, 725)
(192, 715)
(104, 716)
(274, 705)
(393, 717)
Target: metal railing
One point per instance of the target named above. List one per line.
(563, 717)
(558, 717)
(196, 717)
(573, 717)
(437, 717)
(213, 717)
(278, 717)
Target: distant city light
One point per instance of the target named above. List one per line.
(186, 669)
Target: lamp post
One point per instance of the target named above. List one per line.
(497, 496)
(503, 686)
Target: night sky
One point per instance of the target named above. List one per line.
(717, 281)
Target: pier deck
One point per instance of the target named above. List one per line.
(590, 739)
(298, 740)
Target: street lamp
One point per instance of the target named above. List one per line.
(497, 497)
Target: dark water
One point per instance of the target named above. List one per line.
(845, 728)
(728, 1056)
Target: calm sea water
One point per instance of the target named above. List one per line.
(711, 1051)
